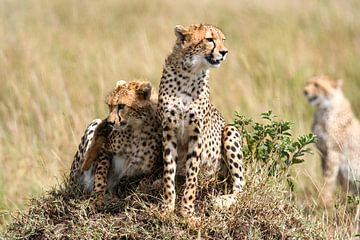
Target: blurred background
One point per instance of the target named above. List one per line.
(59, 59)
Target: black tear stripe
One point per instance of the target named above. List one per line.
(212, 50)
(118, 112)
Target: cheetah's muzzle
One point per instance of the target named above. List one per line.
(312, 99)
(213, 61)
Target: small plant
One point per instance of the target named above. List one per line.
(270, 146)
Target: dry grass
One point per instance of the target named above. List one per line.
(262, 212)
(59, 58)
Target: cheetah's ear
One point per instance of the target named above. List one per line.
(120, 83)
(180, 32)
(145, 91)
(339, 83)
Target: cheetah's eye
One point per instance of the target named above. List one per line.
(316, 85)
(121, 106)
(209, 39)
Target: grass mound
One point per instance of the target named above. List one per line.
(263, 211)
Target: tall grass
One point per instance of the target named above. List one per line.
(59, 58)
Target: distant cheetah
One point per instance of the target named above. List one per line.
(339, 134)
(194, 132)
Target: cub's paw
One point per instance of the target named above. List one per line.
(103, 129)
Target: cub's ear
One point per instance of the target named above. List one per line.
(180, 32)
(339, 83)
(145, 91)
(120, 83)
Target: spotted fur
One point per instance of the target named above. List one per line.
(131, 148)
(195, 135)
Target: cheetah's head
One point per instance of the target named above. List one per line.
(202, 44)
(321, 90)
(127, 103)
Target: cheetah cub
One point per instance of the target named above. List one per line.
(126, 144)
(338, 132)
(195, 136)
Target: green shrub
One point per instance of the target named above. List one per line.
(270, 147)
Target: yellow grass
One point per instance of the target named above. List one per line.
(59, 58)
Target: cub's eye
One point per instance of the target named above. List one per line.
(209, 39)
(121, 106)
(316, 85)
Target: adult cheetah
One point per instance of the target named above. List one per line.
(131, 148)
(195, 135)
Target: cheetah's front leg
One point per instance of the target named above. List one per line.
(170, 158)
(192, 170)
(100, 178)
(331, 171)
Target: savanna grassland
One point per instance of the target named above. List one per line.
(59, 59)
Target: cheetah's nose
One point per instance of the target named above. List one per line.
(223, 52)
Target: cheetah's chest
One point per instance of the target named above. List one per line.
(185, 110)
(185, 101)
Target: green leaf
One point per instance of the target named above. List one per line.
(271, 146)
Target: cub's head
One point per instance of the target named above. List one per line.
(127, 103)
(320, 90)
(202, 43)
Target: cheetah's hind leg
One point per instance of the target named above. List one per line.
(231, 141)
(80, 153)
(100, 180)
